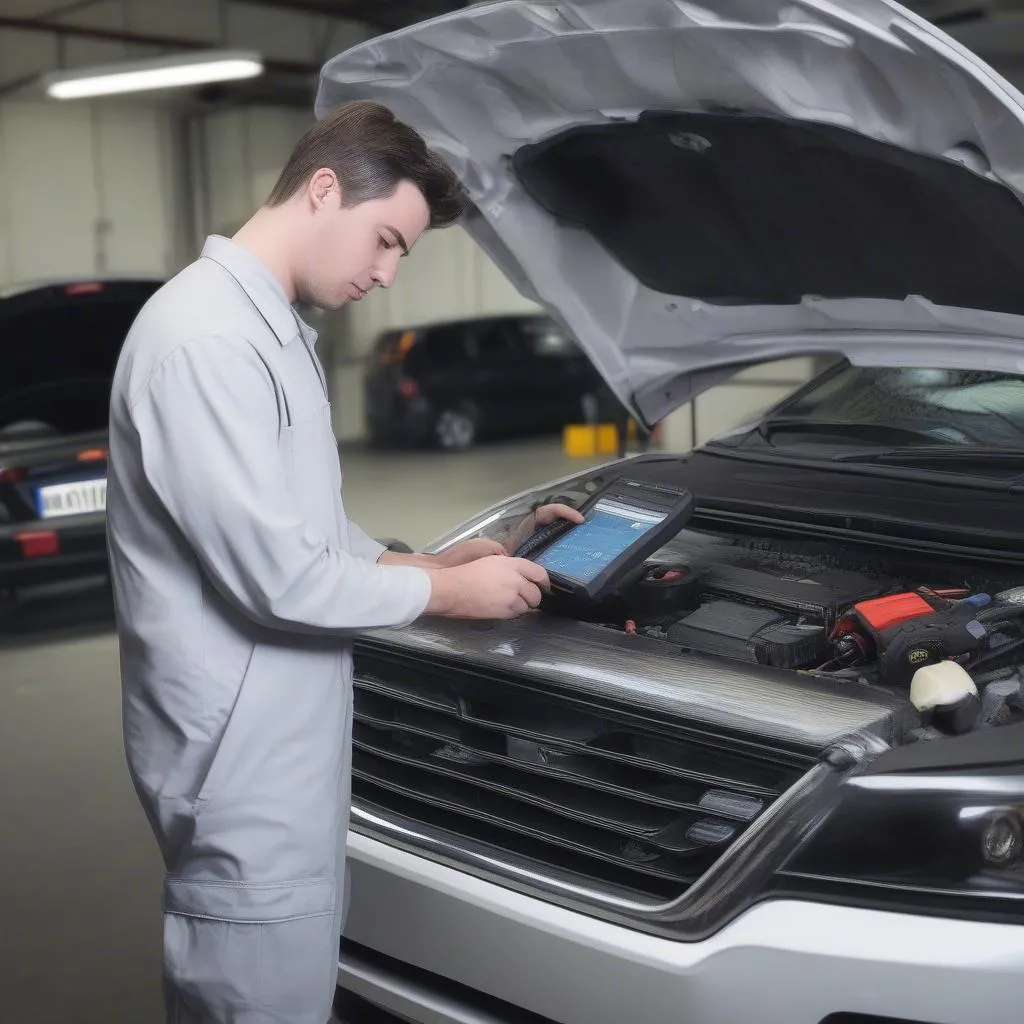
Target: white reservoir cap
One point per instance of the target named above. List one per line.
(937, 686)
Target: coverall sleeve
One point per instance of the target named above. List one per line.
(362, 544)
(207, 424)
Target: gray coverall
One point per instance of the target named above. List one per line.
(237, 579)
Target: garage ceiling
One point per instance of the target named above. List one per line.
(379, 14)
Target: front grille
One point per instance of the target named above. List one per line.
(596, 792)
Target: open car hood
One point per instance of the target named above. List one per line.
(60, 343)
(694, 187)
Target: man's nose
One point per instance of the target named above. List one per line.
(385, 272)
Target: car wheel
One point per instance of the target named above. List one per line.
(454, 429)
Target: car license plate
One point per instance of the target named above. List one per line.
(72, 499)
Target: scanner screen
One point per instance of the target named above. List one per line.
(586, 550)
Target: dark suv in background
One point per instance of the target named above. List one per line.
(448, 384)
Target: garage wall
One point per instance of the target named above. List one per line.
(239, 154)
(87, 190)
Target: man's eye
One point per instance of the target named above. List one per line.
(384, 242)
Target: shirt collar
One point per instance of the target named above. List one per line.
(261, 286)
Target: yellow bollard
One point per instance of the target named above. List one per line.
(579, 441)
(607, 439)
(583, 441)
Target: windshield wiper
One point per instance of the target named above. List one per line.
(885, 434)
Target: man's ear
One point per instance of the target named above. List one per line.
(322, 185)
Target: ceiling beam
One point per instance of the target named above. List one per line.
(287, 67)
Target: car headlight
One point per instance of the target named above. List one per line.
(945, 838)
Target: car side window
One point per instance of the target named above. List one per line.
(498, 341)
(447, 346)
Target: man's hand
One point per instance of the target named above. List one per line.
(493, 587)
(469, 551)
(541, 517)
(549, 513)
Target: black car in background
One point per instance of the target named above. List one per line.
(448, 384)
(60, 345)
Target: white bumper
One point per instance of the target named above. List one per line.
(784, 962)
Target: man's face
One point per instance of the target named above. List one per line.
(355, 248)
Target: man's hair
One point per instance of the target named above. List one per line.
(371, 151)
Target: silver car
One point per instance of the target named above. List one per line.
(777, 773)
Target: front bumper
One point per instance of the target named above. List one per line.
(81, 551)
(783, 962)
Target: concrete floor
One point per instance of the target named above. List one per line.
(79, 872)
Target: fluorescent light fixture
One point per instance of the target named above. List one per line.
(170, 72)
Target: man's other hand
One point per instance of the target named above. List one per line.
(549, 513)
(493, 587)
(469, 551)
(540, 517)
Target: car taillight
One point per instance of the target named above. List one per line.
(395, 355)
(92, 455)
(408, 388)
(38, 543)
(12, 474)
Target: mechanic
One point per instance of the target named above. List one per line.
(238, 577)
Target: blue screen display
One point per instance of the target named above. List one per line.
(586, 550)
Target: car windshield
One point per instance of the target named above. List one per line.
(899, 406)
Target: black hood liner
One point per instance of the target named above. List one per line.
(60, 347)
(743, 209)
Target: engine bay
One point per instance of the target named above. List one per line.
(949, 636)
